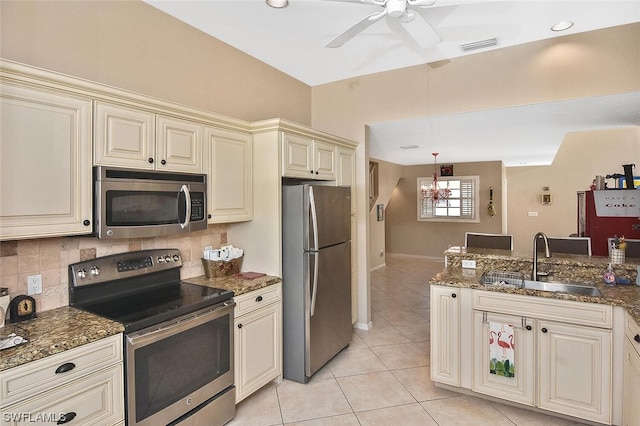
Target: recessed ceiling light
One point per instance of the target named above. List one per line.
(562, 25)
(278, 4)
(408, 146)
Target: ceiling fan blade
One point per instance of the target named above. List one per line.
(421, 3)
(356, 29)
(428, 36)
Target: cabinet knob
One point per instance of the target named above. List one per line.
(454, 295)
(311, 171)
(239, 325)
(67, 417)
(86, 222)
(150, 160)
(528, 327)
(259, 299)
(637, 338)
(163, 162)
(65, 367)
(209, 216)
(544, 329)
(317, 172)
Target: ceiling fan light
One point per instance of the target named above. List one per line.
(562, 25)
(278, 4)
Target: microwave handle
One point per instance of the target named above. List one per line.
(187, 200)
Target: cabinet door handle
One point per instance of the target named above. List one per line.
(544, 329)
(637, 338)
(454, 295)
(67, 417)
(259, 299)
(65, 367)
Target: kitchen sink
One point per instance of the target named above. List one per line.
(516, 280)
(583, 290)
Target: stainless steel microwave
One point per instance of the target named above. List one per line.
(132, 203)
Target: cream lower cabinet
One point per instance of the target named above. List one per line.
(81, 386)
(489, 376)
(445, 334)
(562, 353)
(631, 402)
(257, 339)
(45, 163)
(228, 162)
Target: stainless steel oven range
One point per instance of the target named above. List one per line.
(178, 336)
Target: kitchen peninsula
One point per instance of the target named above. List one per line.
(570, 347)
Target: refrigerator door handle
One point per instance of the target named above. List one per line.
(314, 219)
(314, 225)
(314, 289)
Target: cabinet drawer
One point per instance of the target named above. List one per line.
(256, 299)
(580, 313)
(38, 376)
(95, 399)
(632, 331)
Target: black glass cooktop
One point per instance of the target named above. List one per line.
(146, 308)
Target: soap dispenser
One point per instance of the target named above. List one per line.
(609, 276)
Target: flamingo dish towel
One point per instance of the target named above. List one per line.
(502, 349)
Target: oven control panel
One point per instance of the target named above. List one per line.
(122, 265)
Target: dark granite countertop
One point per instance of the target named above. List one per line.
(65, 328)
(586, 270)
(56, 331)
(236, 283)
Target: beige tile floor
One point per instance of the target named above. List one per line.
(383, 377)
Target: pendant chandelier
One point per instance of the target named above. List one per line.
(434, 193)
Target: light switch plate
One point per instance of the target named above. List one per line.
(469, 264)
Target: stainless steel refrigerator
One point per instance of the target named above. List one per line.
(316, 277)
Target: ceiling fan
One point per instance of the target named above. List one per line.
(404, 10)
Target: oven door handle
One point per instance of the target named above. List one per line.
(187, 200)
(176, 325)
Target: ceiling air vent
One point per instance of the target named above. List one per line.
(482, 44)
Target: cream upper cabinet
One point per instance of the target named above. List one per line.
(631, 406)
(307, 158)
(228, 162)
(346, 171)
(124, 137)
(445, 335)
(130, 137)
(178, 144)
(45, 163)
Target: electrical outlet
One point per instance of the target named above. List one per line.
(469, 264)
(34, 284)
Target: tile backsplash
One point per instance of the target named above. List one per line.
(51, 256)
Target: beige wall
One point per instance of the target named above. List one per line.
(581, 157)
(133, 46)
(406, 235)
(587, 64)
(388, 176)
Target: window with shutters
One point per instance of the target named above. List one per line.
(460, 206)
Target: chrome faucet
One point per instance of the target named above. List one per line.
(547, 253)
